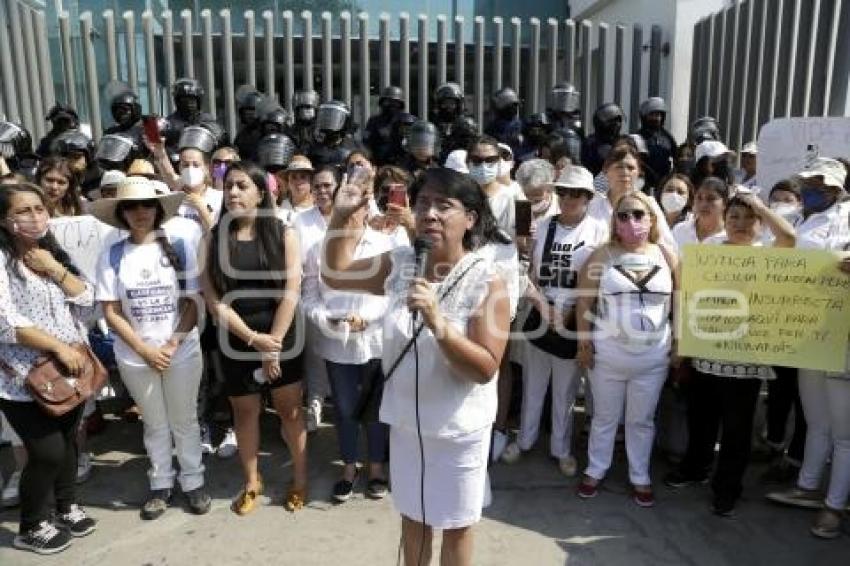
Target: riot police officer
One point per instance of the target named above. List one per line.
(126, 111)
(607, 122)
(506, 125)
(464, 132)
(116, 151)
(564, 108)
(248, 100)
(187, 94)
(304, 105)
(704, 128)
(448, 107)
(62, 118)
(16, 149)
(422, 145)
(660, 145)
(333, 134)
(78, 149)
(535, 128)
(275, 151)
(377, 135)
(398, 135)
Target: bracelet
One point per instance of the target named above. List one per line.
(251, 339)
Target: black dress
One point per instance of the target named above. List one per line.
(255, 299)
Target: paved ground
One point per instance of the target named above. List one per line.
(535, 519)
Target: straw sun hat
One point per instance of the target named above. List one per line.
(130, 189)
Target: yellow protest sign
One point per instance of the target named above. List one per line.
(772, 306)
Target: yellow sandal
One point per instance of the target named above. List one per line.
(295, 499)
(247, 499)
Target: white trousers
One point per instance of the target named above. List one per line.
(315, 369)
(634, 384)
(539, 369)
(826, 406)
(169, 404)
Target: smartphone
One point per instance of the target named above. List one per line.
(397, 195)
(523, 217)
(151, 126)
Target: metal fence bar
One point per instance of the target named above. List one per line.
(327, 57)
(363, 18)
(268, 51)
(442, 49)
(307, 50)
(130, 46)
(602, 64)
(619, 70)
(655, 61)
(422, 44)
(498, 52)
(478, 71)
(551, 54)
(516, 55)
(19, 58)
(759, 85)
(830, 58)
(705, 93)
(404, 56)
(150, 60)
(90, 66)
(209, 69)
(586, 66)
(288, 60)
(717, 71)
(32, 70)
(637, 67)
(48, 96)
(228, 75)
(67, 59)
(111, 55)
(168, 52)
(384, 61)
(345, 50)
(188, 48)
(746, 56)
(570, 51)
(810, 60)
(7, 72)
(701, 66)
(534, 90)
(460, 54)
(792, 58)
(777, 39)
(250, 48)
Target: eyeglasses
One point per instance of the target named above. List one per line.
(570, 192)
(636, 214)
(490, 159)
(133, 204)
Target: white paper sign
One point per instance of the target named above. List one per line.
(787, 144)
(84, 238)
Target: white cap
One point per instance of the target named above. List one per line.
(111, 177)
(507, 148)
(457, 160)
(751, 148)
(710, 149)
(575, 177)
(832, 171)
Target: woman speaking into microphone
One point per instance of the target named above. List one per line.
(444, 334)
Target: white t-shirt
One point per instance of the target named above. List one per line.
(214, 200)
(310, 226)
(571, 247)
(149, 292)
(685, 232)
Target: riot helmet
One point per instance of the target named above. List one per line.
(703, 129)
(535, 128)
(63, 118)
(275, 151)
(333, 117)
(248, 99)
(391, 100)
(304, 103)
(505, 102)
(448, 101)
(276, 121)
(423, 140)
(464, 131)
(72, 143)
(564, 97)
(607, 120)
(15, 140)
(198, 137)
(125, 108)
(653, 112)
(187, 94)
(116, 150)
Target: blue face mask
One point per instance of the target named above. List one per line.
(815, 199)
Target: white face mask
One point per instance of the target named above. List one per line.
(192, 176)
(505, 168)
(484, 173)
(673, 202)
(786, 209)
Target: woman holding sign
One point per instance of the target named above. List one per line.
(723, 395)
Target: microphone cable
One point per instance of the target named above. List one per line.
(421, 451)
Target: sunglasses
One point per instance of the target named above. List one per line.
(490, 159)
(133, 204)
(570, 192)
(636, 214)
(227, 162)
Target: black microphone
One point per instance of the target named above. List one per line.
(422, 251)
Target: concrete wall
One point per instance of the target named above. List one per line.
(677, 19)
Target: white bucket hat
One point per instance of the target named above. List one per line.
(575, 177)
(832, 171)
(135, 189)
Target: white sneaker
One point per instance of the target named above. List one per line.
(228, 446)
(512, 453)
(568, 466)
(497, 448)
(206, 440)
(11, 493)
(83, 467)
(314, 415)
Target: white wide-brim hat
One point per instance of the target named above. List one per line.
(135, 188)
(575, 177)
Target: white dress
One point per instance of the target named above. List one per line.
(455, 414)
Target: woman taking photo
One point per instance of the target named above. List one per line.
(60, 186)
(628, 284)
(252, 285)
(148, 286)
(462, 308)
(42, 299)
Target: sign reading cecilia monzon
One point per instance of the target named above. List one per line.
(773, 306)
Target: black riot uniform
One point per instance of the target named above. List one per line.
(564, 108)
(62, 118)
(506, 125)
(75, 142)
(400, 129)
(378, 133)
(16, 149)
(117, 151)
(333, 138)
(660, 145)
(305, 103)
(464, 131)
(247, 101)
(607, 122)
(188, 94)
(535, 128)
(448, 107)
(422, 145)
